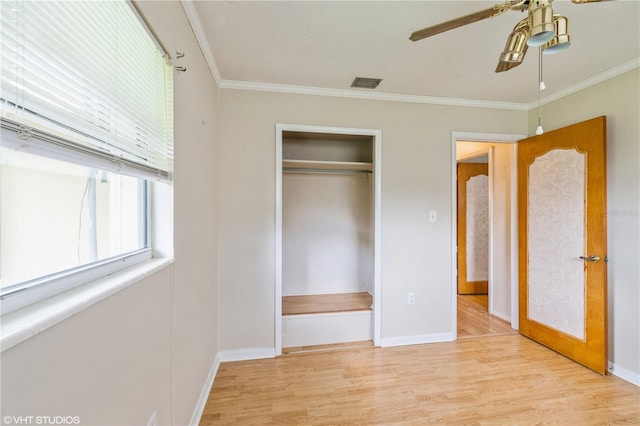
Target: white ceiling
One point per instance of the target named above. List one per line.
(326, 44)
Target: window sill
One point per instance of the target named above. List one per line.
(18, 326)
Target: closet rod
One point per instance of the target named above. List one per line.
(297, 170)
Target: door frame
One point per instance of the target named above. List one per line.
(478, 285)
(512, 139)
(377, 206)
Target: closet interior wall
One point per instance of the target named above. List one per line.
(327, 214)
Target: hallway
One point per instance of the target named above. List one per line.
(474, 319)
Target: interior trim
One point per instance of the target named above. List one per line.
(196, 416)
(613, 72)
(378, 96)
(418, 339)
(25, 323)
(493, 138)
(245, 354)
(198, 31)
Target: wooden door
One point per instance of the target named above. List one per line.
(473, 228)
(562, 241)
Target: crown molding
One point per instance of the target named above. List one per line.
(378, 96)
(198, 30)
(201, 38)
(613, 72)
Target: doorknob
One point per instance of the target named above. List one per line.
(594, 258)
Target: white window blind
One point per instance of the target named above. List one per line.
(84, 81)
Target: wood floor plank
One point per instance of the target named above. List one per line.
(328, 347)
(475, 321)
(326, 303)
(493, 380)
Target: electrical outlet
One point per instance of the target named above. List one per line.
(411, 298)
(152, 420)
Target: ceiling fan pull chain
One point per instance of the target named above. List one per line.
(541, 87)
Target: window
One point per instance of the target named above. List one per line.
(86, 103)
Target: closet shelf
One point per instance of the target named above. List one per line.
(327, 165)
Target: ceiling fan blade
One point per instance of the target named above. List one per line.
(459, 22)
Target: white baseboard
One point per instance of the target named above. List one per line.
(204, 393)
(225, 356)
(417, 340)
(624, 374)
(246, 354)
(502, 316)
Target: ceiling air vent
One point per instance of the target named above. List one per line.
(366, 83)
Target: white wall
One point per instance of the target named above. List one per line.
(501, 230)
(108, 365)
(327, 238)
(327, 218)
(151, 346)
(195, 300)
(416, 178)
(619, 100)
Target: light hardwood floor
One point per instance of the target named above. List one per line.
(474, 319)
(493, 380)
(501, 379)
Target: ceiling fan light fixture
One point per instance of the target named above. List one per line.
(516, 45)
(541, 26)
(561, 41)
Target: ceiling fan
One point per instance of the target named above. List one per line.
(541, 27)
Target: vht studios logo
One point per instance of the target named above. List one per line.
(41, 420)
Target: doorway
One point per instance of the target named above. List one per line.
(473, 221)
(496, 312)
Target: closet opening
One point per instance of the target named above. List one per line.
(327, 234)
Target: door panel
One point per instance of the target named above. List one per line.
(556, 198)
(473, 228)
(562, 206)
